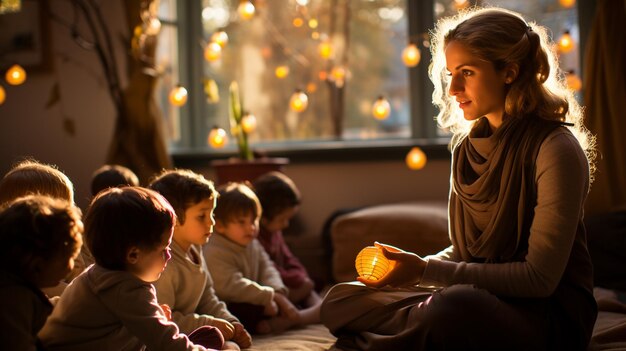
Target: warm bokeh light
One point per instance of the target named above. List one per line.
(416, 158)
(248, 123)
(371, 263)
(311, 88)
(281, 71)
(381, 108)
(322, 75)
(567, 3)
(338, 74)
(325, 49)
(15, 75)
(3, 95)
(213, 52)
(573, 81)
(246, 10)
(315, 35)
(221, 38)
(313, 23)
(178, 96)
(153, 27)
(217, 138)
(461, 4)
(566, 43)
(411, 55)
(299, 101)
(298, 22)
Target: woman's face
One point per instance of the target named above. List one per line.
(478, 88)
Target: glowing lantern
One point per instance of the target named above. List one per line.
(567, 3)
(178, 96)
(381, 108)
(213, 52)
(573, 82)
(246, 10)
(15, 75)
(371, 263)
(248, 123)
(566, 43)
(416, 159)
(221, 38)
(325, 49)
(299, 101)
(281, 71)
(3, 95)
(411, 55)
(217, 138)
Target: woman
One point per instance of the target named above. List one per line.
(517, 275)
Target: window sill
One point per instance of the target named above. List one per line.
(321, 152)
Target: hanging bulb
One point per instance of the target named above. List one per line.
(325, 49)
(411, 55)
(416, 158)
(381, 108)
(3, 95)
(213, 52)
(281, 71)
(15, 75)
(178, 96)
(573, 81)
(299, 101)
(567, 3)
(246, 10)
(248, 123)
(566, 43)
(217, 138)
(221, 38)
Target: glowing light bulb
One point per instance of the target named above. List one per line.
(411, 55)
(566, 43)
(213, 52)
(371, 263)
(567, 3)
(416, 159)
(281, 71)
(15, 75)
(3, 95)
(178, 96)
(381, 108)
(299, 101)
(217, 138)
(325, 49)
(246, 10)
(573, 81)
(248, 123)
(221, 38)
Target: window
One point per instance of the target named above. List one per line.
(279, 49)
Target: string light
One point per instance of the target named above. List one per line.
(299, 101)
(313, 23)
(217, 138)
(221, 38)
(567, 3)
(15, 75)
(573, 81)
(178, 96)
(281, 71)
(338, 74)
(371, 263)
(3, 95)
(566, 43)
(416, 159)
(248, 123)
(325, 49)
(411, 55)
(213, 52)
(298, 22)
(246, 10)
(381, 108)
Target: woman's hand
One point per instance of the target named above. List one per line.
(241, 337)
(408, 269)
(287, 309)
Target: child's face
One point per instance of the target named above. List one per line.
(148, 265)
(281, 220)
(59, 266)
(242, 229)
(198, 224)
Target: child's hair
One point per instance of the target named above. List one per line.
(183, 188)
(112, 176)
(503, 37)
(37, 226)
(236, 199)
(120, 218)
(276, 192)
(32, 177)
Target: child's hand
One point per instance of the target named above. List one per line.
(272, 308)
(408, 270)
(287, 309)
(227, 329)
(241, 337)
(167, 311)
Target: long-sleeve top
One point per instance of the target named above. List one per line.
(291, 270)
(242, 274)
(111, 310)
(23, 311)
(187, 287)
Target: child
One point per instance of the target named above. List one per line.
(244, 275)
(186, 285)
(280, 200)
(40, 239)
(33, 177)
(112, 305)
(112, 176)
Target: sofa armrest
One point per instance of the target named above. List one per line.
(419, 227)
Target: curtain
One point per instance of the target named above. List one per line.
(605, 98)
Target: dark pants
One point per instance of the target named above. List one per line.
(248, 314)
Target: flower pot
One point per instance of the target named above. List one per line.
(238, 170)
